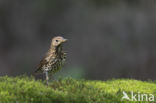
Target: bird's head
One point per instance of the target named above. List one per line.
(56, 41)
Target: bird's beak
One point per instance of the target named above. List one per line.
(64, 40)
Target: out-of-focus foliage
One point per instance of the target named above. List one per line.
(27, 90)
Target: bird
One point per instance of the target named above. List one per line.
(54, 58)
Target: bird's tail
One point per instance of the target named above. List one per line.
(36, 72)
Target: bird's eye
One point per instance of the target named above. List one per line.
(56, 40)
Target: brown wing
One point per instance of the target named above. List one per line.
(42, 63)
(45, 62)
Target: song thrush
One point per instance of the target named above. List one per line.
(54, 59)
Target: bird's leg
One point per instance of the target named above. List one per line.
(47, 77)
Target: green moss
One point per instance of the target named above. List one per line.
(28, 90)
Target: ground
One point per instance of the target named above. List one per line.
(24, 89)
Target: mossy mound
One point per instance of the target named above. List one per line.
(28, 90)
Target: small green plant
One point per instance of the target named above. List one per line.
(28, 90)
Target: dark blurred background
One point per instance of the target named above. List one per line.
(107, 38)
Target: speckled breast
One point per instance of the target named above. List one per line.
(57, 63)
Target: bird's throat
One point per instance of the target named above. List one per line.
(56, 50)
(59, 49)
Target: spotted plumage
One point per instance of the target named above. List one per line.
(54, 59)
